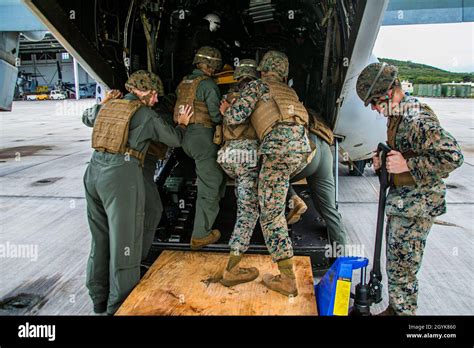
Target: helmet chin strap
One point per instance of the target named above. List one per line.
(369, 91)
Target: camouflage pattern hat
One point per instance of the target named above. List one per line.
(210, 56)
(275, 61)
(375, 81)
(145, 81)
(246, 68)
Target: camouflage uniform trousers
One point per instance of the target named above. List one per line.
(273, 183)
(245, 172)
(406, 240)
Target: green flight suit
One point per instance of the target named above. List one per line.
(198, 144)
(320, 178)
(153, 204)
(115, 195)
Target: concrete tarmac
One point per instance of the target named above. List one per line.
(45, 240)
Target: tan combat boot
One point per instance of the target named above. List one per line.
(198, 243)
(285, 282)
(299, 207)
(233, 274)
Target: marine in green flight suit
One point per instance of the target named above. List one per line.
(201, 92)
(320, 178)
(114, 186)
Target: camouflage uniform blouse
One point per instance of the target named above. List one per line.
(284, 138)
(437, 154)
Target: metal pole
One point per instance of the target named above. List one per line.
(76, 78)
(363, 275)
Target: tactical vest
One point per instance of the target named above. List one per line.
(111, 127)
(283, 106)
(318, 127)
(186, 95)
(402, 179)
(239, 131)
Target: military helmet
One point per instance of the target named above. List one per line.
(246, 68)
(275, 61)
(145, 81)
(210, 56)
(214, 21)
(375, 81)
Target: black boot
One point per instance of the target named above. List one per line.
(100, 307)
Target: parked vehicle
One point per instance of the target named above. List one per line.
(85, 92)
(57, 95)
(42, 96)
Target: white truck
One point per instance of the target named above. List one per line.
(56, 95)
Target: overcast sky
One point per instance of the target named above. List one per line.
(446, 46)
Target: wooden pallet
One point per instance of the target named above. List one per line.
(179, 283)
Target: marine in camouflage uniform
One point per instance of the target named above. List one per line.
(201, 92)
(284, 148)
(115, 191)
(424, 154)
(238, 158)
